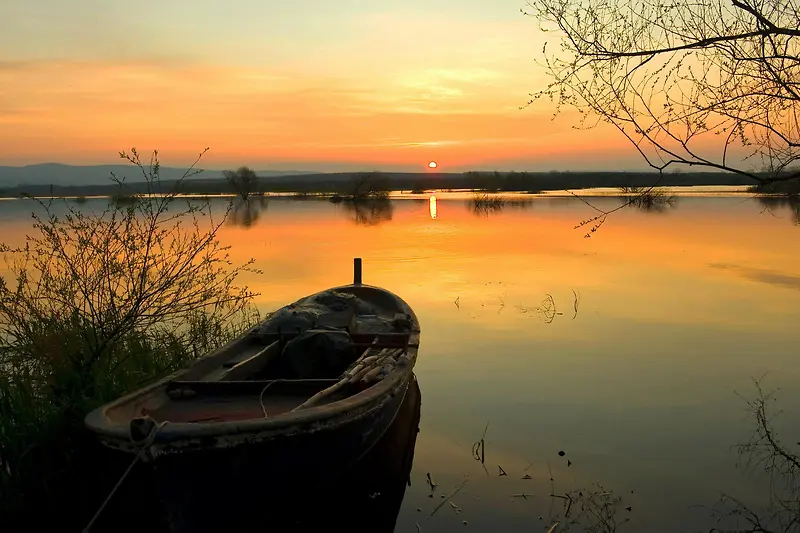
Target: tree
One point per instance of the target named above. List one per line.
(708, 83)
(147, 267)
(368, 185)
(244, 181)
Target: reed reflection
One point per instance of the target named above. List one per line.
(776, 203)
(485, 204)
(652, 200)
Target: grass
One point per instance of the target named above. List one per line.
(122, 199)
(48, 462)
(303, 195)
(486, 203)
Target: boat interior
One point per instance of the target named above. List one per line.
(250, 378)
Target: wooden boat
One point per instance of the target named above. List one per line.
(236, 411)
(374, 488)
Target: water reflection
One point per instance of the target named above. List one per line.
(790, 202)
(485, 204)
(369, 212)
(432, 206)
(676, 313)
(653, 201)
(246, 211)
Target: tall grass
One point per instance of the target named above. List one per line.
(484, 202)
(649, 199)
(94, 305)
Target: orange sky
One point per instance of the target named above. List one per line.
(340, 85)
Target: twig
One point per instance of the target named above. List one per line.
(447, 498)
(575, 304)
(569, 500)
(479, 449)
(383, 354)
(552, 488)
(322, 394)
(430, 481)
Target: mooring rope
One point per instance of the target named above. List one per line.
(144, 444)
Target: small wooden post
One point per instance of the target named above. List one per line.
(357, 271)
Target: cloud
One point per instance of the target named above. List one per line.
(771, 277)
(85, 111)
(87, 30)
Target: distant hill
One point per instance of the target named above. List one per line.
(68, 175)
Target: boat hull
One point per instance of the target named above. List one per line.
(368, 497)
(194, 487)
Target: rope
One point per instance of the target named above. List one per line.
(261, 396)
(144, 444)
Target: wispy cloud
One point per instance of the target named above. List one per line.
(771, 277)
(388, 83)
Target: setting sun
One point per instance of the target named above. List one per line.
(432, 164)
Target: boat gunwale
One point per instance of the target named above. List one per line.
(98, 420)
(187, 445)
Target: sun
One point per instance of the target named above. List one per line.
(432, 164)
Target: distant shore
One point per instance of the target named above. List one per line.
(340, 183)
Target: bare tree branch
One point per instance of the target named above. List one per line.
(683, 81)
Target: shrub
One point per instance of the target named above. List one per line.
(96, 304)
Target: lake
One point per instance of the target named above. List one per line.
(632, 351)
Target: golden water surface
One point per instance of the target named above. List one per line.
(625, 350)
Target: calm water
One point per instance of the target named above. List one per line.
(660, 319)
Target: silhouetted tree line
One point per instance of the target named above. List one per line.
(244, 182)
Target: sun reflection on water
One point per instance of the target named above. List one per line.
(433, 206)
